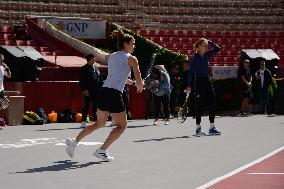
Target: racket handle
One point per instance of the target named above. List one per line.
(187, 95)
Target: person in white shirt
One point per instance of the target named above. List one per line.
(110, 100)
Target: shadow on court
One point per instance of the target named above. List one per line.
(59, 129)
(78, 128)
(59, 166)
(138, 126)
(162, 139)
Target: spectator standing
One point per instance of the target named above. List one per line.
(160, 86)
(89, 84)
(263, 75)
(203, 89)
(245, 80)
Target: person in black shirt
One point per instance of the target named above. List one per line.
(245, 79)
(175, 82)
(184, 79)
(89, 84)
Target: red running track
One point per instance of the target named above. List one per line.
(266, 174)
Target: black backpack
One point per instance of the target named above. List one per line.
(66, 116)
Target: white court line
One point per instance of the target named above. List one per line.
(266, 173)
(81, 143)
(210, 183)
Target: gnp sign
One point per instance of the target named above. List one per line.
(77, 27)
(223, 72)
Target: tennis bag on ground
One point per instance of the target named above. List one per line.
(41, 113)
(52, 117)
(31, 118)
(2, 122)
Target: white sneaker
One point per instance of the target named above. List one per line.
(167, 122)
(112, 124)
(71, 144)
(103, 154)
(83, 124)
(155, 122)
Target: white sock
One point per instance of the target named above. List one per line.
(101, 150)
(198, 127)
(212, 125)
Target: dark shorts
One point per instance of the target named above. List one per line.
(110, 100)
(246, 94)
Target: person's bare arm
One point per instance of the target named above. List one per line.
(133, 62)
(245, 81)
(7, 70)
(130, 82)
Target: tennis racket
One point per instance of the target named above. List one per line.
(149, 69)
(182, 114)
(4, 103)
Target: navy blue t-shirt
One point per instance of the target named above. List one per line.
(199, 65)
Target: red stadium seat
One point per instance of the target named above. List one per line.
(58, 53)
(171, 33)
(9, 36)
(153, 32)
(162, 33)
(143, 32)
(165, 39)
(179, 45)
(44, 49)
(215, 59)
(230, 60)
(2, 43)
(31, 43)
(7, 29)
(47, 53)
(21, 43)
(180, 33)
(10, 43)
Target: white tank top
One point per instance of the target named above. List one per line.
(118, 70)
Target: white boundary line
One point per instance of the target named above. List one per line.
(266, 173)
(212, 182)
